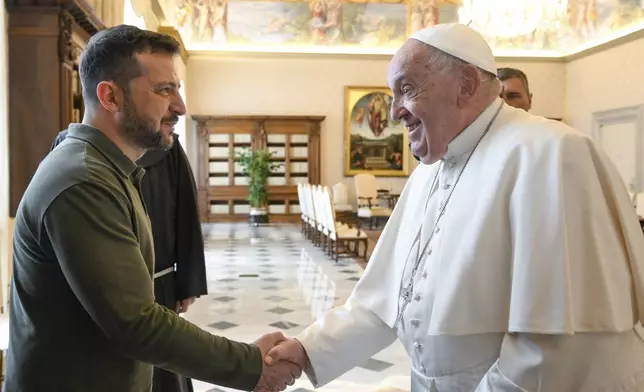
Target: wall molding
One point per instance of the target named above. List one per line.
(624, 115)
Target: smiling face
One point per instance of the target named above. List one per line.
(152, 103)
(425, 100)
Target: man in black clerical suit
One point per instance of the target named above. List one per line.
(170, 195)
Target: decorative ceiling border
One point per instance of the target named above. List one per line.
(564, 58)
(172, 32)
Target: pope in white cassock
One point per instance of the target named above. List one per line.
(512, 262)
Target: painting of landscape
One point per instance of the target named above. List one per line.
(374, 143)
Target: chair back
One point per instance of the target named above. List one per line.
(327, 205)
(366, 188)
(310, 207)
(340, 194)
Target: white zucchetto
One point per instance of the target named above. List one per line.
(459, 41)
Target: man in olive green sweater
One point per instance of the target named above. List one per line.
(83, 315)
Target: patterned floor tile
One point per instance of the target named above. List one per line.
(222, 325)
(224, 299)
(276, 298)
(280, 310)
(284, 325)
(286, 283)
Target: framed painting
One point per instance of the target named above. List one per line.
(374, 143)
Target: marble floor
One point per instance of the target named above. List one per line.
(272, 279)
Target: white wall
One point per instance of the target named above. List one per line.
(5, 224)
(314, 85)
(605, 80)
(547, 81)
(291, 86)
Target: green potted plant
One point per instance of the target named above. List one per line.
(257, 166)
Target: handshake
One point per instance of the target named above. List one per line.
(284, 360)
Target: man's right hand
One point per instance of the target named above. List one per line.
(279, 374)
(290, 350)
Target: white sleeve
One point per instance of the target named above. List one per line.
(343, 338)
(535, 362)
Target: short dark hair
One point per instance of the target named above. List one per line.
(110, 55)
(509, 73)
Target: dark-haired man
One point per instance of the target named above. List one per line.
(516, 91)
(83, 315)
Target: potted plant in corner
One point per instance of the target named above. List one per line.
(257, 166)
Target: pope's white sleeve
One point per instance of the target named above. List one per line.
(343, 338)
(536, 362)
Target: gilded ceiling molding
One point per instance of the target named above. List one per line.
(634, 36)
(205, 54)
(565, 58)
(111, 11)
(157, 10)
(171, 31)
(541, 30)
(140, 6)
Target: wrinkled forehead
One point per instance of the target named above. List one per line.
(408, 62)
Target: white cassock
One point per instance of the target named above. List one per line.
(532, 280)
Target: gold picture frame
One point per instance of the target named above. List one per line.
(373, 143)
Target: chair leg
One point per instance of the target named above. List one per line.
(334, 256)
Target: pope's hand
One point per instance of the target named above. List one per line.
(279, 374)
(290, 350)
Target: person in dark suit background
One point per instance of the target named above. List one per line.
(170, 195)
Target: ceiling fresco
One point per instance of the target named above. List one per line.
(512, 27)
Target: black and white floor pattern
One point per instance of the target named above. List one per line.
(271, 278)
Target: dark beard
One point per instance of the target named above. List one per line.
(140, 132)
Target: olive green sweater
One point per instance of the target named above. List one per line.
(82, 310)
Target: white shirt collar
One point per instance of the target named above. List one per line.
(467, 139)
